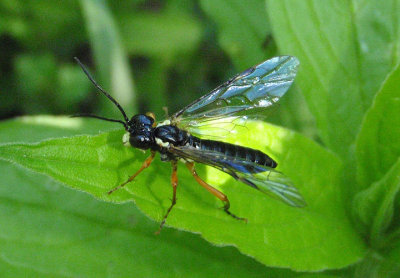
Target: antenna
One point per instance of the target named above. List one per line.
(105, 93)
(99, 117)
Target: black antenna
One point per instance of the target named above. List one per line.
(99, 117)
(105, 93)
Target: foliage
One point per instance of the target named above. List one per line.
(348, 171)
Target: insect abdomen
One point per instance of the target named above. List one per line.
(233, 151)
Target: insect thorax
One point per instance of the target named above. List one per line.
(165, 135)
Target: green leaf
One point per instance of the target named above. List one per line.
(378, 145)
(338, 59)
(72, 234)
(377, 25)
(109, 53)
(384, 263)
(30, 129)
(325, 51)
(242, 29)
(276, 235)
(391, 267)
(375, 205)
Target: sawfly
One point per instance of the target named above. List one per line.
(189, 135)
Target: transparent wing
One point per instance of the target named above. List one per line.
(260, 86)
(262, 178)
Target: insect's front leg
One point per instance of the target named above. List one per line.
(145, 164)
(214, 191)
(174, 183)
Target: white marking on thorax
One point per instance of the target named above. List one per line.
(166, 122)
(161, 143)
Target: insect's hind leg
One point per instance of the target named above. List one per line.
(174, 183)
(145, 164)
(214, 191)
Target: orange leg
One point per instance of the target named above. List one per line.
(145, 164)
(212, 190)
(174, 182)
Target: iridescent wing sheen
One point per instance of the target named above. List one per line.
(260, 86)
(262, 178)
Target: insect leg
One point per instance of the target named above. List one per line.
(212, 190)
(145, 164)
(174, 183)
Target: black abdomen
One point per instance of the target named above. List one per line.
(234, 151)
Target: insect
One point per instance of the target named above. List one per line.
(184, 135)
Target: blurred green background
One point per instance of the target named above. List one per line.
(147, 54)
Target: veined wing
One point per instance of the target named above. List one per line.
(262, 178)
(260, 86)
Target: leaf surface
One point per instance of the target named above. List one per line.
(276, 235)
(49, 230)
(378, 146)
(342, 65)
